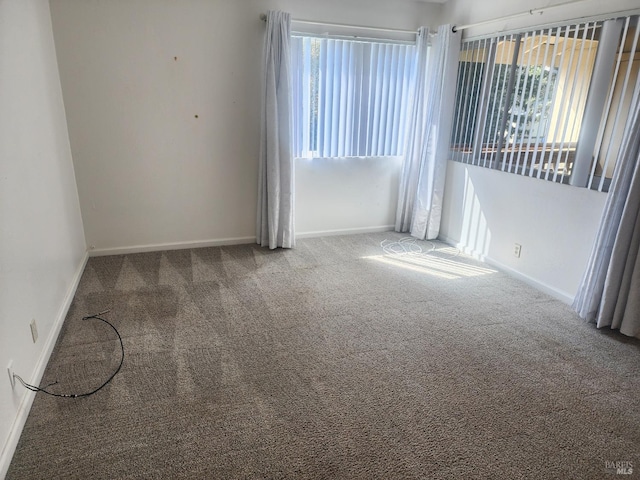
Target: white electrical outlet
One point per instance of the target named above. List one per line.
(10, 371)
(517, 249)
(34, 330)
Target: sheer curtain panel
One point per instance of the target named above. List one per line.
(275, 226)
(609, 293)
(425, 160)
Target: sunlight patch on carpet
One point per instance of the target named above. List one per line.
(440, 267)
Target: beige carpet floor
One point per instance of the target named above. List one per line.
(333, 360)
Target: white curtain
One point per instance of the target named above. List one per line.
(609, 293)
(275, 189)
(425, 159)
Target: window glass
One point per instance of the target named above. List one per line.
(350, 97)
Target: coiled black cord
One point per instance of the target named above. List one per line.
(33, 388)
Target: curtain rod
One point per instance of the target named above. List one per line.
(263, 17)
(562, 23)
(533, 11)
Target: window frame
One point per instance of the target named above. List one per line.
(370, 137)
(572, 154)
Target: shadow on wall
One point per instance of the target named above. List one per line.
(475, 234)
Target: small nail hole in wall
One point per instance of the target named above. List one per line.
(175, 58)
(196, 116)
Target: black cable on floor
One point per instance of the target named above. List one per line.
(33, 388)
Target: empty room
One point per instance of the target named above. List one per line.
(334, 239)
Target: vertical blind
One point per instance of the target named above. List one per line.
(350, 97)
(551, 103)
(520, 100)
(625, 84)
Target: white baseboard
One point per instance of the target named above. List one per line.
(156, 247)
(548, 289)
(28, 396)
(346, 231)
(465, 249)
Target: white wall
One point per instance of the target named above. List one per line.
(488, 211)
(42, 248)
(148, 171)
(346, 195)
